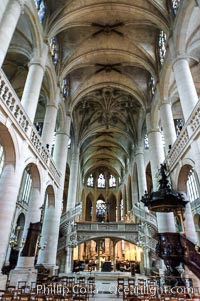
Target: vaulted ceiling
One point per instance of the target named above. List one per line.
(107, 51)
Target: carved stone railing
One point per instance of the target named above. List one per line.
(84, 231)
(188, 132)
(145, 216)
(92, 230)
(12, 107)
(69, 215)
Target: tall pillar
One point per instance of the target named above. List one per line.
(61, 149)
(98, 258)
(118, 209)
(73, 180)
(9, 186)
(3, 5)
(146, 260)
(49, 124)
(94, 214)
(8, 25)
(185, 85)
(33, 84)
(166, 221)
(52, 215)
(142, 183)
(167, 124)
(124, 201)
(49, 235)
(113, 252)
(68, 262)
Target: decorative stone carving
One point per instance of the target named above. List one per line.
(169, 248)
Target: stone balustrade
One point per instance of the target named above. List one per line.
(92, 230)
(144, 216)
(71, 214)
(188, 132)
(12, 107)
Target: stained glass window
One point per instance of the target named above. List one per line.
(69, 143)
(90, 181)
(101, 210)
(1, 159)
(41, 7)
(54, 50)
(65, 87)
(112, 181)
(37, 3)
(101, 183)
(178, 123)
(146, 142)
(39, 127)
(152, 85)
(175, 6)
(162, 46)
(192, 186)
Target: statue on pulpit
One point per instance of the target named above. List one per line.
(29, 248)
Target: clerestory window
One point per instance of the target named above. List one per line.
(101, 182)
(175, 6)
(112, 181)
(162, 46)
(90, 181)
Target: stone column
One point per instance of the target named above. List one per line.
(8, 25)
(124, 201)
(33, 84)
(49, 234)
(3, 6)
(9, 186)
(118, 209)
(61, 149)
(49, 124)
(166, 221)
(114, 257)
(68, 262)
(98, 258)
(120, 251)
(142, 183)
(146, 259)
(185, 85)
(73, 180)
(94, 215)
(167, 124)
(52, 215)
(60, 158)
